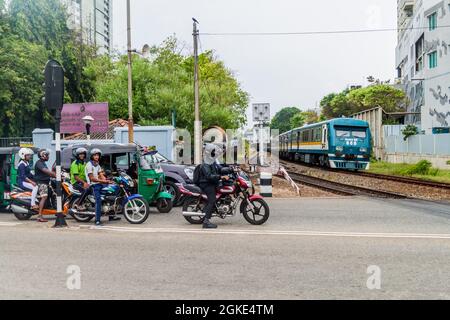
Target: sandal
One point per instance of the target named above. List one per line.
(42, 220)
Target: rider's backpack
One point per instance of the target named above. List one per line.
(197, 174)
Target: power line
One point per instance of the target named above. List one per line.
(316, 32)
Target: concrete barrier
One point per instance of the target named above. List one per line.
(266, 184)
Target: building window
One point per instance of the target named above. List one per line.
(419, 53)
(432, 59)
(432, 21)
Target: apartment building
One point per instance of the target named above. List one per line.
(423, 61)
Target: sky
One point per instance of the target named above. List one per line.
(291, 70)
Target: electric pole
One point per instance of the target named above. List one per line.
(130, 79)
(197, 123)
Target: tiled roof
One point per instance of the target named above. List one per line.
(118, 123)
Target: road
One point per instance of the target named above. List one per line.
(309, 249)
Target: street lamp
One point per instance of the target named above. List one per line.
(88, 121)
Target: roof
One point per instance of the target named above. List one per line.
(334, 122)
(11, 150)
(118, 123)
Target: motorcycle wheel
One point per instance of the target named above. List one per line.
(173, 189)
(22, 216)
(81, 217)
(190, 205)
(260, 209)
(136, 211)
(164, 205)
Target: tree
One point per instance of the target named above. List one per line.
(282, 119)
(298, 120)
(348, 102)
(164, 84)
(311, 116)
(388, 97)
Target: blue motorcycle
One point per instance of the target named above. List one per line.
(116, 199)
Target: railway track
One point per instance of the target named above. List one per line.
(433, 184)
(341, 188)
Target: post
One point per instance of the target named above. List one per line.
(88, 133)
(197, 123)
(130, 80)
(60, 219)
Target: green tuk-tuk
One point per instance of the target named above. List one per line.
(138, 163)
(9, 161)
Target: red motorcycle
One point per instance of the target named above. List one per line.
(236, 192)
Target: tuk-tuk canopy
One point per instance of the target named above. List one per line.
(68, 154)
(13, 150)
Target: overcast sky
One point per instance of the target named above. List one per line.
(295, 70)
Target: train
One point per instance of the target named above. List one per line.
(341, 143)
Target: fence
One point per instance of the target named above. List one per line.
(437, 144)
(14, 142)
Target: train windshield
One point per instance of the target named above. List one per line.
(350, 132)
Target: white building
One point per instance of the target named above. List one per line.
(94, 19)
(423, 60)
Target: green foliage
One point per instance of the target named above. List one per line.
(298, 120)
(165, 83)
(348, 102)
(282, 119)
(409, 130)
(423, 167)
(31, 32)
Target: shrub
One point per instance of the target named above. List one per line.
(423, 167)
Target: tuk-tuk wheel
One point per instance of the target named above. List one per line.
(164, 205)
(22, 216)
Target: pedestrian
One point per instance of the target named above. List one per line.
(42, 175)
(25, 179)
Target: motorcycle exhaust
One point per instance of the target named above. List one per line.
(193, 214)
(86, 213)
(18, 209)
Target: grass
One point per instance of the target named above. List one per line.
(421, 170)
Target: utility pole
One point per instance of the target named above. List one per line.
(130, 79)
(197, 123)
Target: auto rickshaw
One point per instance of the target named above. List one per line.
(138, 162)
(9, 162)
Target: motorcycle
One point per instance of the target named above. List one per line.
(21, 201)
(236, 192)
(116, 199)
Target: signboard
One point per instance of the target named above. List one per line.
(261, 112)
(72, 117)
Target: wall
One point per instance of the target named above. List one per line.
(434, 148)
(159, 136)
(375, 119)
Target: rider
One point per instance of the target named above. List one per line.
(77, 170)
(25, 177)
(96, 178)
(42, 177)
(210, 176)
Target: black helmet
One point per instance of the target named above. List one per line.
(42, 153)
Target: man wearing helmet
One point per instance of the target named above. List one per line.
(25, 177)
(42, 175)
(96, 178)
(209, 179)
(77, 170)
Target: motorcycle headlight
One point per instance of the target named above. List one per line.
(190, 173)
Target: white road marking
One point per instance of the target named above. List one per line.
(273, 232)
(9, 224)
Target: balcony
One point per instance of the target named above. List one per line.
(408, 6)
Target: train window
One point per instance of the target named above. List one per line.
(359, 134)
(342, 133)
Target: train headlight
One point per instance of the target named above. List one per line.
(363, 150)
(339, 148)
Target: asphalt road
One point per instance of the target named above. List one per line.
(309, 249)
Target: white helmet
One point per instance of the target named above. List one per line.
(23, 152)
